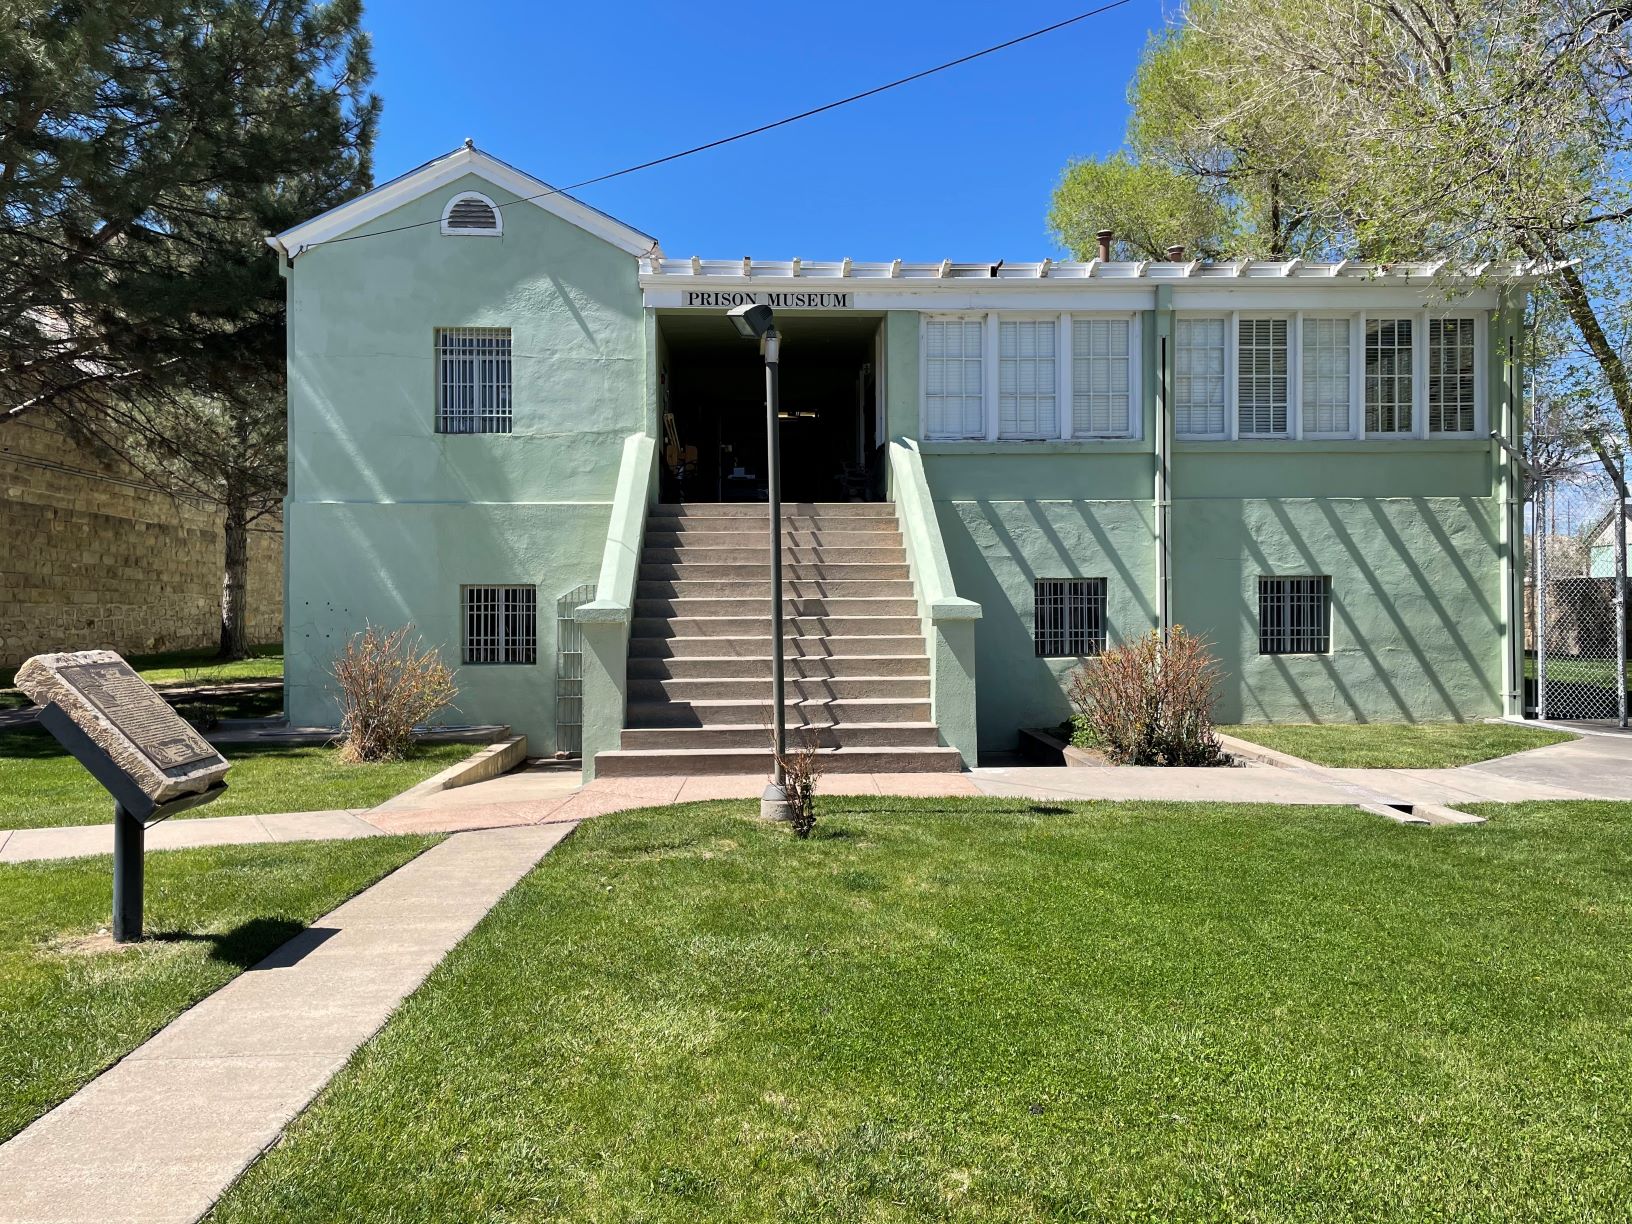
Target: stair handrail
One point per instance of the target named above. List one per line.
(606, 620)
(948, 619)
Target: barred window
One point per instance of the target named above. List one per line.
(1198, 384)
(473, 380)
(501, 624)
(1388, 376)
(1294, 615)
(1450, 375)
(1069, 617)
(1101, 378)
(1262, 376)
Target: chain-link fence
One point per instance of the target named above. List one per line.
(1575, 649)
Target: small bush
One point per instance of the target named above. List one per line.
(801, 767)
(390, 683)
(1150, 702)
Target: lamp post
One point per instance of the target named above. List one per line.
(758, 322)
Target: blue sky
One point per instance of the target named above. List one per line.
(958, 166)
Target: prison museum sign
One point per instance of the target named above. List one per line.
(789, 299)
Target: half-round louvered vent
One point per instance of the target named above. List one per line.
(471, 214)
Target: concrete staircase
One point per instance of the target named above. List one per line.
(857, 672)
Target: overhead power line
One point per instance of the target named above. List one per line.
(764, 127)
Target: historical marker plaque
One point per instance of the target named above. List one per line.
(121, 730)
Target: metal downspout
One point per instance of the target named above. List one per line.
(1164, 472)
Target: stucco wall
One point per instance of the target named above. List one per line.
(386, 517)
(1408, 531)
(92, 556)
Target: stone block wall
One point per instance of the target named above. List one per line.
(93, 556)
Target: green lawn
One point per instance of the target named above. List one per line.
(1396, 745)
(65, 1015)
(175, 666)
(1002, 1010)
(41, 785)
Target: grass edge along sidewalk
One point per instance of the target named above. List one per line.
(1006, 1009)
(1396, 745)
(71, 1005)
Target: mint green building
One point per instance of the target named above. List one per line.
(520, 425)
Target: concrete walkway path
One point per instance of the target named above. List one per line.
(157, 1138)
(26, 845)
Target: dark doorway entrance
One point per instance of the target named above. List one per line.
(713, 402)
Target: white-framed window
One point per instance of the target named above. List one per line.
(1453, 361)
(500, 624)
(1294, 615)
(1027, 378)
(1102, 381)
(1068, 617)
(1263, 377)
(1390, 375)
(954, 377)
(473, 380)
(1200, 382)
(470, 214)
(1327, 354)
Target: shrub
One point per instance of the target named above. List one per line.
(801, 767)
(390, 683)
(1150, 702)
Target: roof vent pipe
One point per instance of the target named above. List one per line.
(1105, 237)
(1175, 253)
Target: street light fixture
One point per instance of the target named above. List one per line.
(757, 321)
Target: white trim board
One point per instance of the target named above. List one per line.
(437, 174)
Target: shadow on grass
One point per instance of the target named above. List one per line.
(260, 943)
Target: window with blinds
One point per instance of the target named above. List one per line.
(501, 624)
(1327, 383)
(1101, 378)
(1388, 376)
(1199, 377)
(1027, 399)
(954, 381)
(1294, 615)
(1450, 376)
(473, 380)
(1068, 617)
(1262, 375)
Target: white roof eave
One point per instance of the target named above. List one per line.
(437, 174)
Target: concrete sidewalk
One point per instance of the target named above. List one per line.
(27, 845)
(162, 1134)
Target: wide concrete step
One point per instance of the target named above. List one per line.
(726, 667)
(738, 713)
(622, 763)
(758, 510)
(826, 538)
(752, 554)
(749, 645)
(794, 607)
(695, 569)
(792, 626)
(725, 588)
(758, 736)
(758, 689)
(692, 525)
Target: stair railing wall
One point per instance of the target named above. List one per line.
(948, 619)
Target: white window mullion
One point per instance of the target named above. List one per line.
(989, 341)
(1357, 376)
(1232, 389)
(1064, 373)
(1294, 376)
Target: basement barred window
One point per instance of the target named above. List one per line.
(473, 380)
(1068, 617)
(1294, 615)
(501, 624)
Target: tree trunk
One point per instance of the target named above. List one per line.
(235, 579)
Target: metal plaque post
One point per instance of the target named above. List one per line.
(128, 835)
(774, 801)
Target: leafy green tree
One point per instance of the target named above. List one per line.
(146, 148)
(1148, 206)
